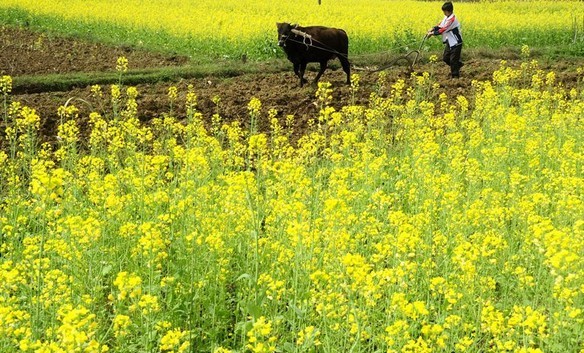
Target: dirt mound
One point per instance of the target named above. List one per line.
(278, 91)
(26, 52)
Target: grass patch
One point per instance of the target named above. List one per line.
(65, 82)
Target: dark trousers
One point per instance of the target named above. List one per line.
(452, 58)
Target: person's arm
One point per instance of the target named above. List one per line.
(441, 29)
(432, 30)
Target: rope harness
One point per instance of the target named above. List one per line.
(306, 37)
(308, 40)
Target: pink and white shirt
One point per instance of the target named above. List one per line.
(449, 28)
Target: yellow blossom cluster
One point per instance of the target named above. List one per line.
(416, 223)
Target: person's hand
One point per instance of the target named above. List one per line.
(430, 33)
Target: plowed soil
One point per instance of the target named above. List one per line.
(26, 52)
(30, 53)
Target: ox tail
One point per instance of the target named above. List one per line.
(344, 45)
(343, 54)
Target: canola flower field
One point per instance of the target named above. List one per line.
(407, 225)
(206, 30)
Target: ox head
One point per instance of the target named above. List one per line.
(284, 31)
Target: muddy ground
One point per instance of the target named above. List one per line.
(31, 53)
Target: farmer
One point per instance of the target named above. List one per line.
(449, 28)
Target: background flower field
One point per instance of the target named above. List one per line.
(207, 30)
(403, 213)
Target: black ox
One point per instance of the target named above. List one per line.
(319, 44)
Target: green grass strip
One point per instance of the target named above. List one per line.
(65, 82)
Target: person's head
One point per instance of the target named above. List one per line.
(448, 8)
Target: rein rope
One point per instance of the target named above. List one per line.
(308, 42)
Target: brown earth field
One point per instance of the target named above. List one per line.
(24, 52)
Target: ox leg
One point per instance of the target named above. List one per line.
(346, 67)
(301, 73)
(323, 66)
(297, 69)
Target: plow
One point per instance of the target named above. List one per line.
(411, 57)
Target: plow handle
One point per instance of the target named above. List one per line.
(418, 51)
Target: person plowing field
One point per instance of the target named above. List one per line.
(449, 28)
